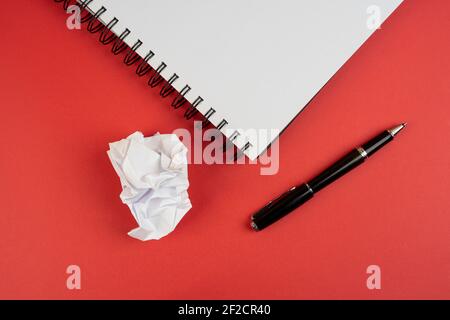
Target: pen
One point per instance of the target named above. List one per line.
(296, 196)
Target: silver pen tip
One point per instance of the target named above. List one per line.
(397, 129)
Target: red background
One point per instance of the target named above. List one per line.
(64, 97)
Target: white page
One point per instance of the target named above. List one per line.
(256, 62)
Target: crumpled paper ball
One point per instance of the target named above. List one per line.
(154, 177)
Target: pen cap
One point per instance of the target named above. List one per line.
(281, 206)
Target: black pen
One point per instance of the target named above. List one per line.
(296, 196)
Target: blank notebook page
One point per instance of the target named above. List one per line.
(257, 63)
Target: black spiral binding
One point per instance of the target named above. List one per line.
(107, 37)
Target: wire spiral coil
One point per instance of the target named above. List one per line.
(107, 36)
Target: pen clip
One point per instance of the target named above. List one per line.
(271, 202)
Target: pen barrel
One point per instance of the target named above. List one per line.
(350, 161)
(377, 143)
(281, 206)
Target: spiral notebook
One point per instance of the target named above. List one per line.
(245, 65)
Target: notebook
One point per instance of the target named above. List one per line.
(245, 65)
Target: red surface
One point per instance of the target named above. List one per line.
(64, 97)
